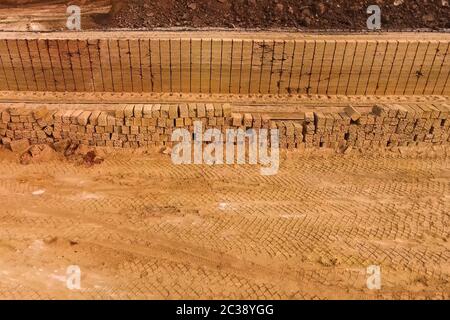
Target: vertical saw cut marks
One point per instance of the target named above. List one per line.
(225, 62)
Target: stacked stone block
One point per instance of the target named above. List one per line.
(142, 125)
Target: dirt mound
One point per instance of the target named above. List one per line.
(92, 158)
(264, 14)
(254, 14)
(79, 154)
(82, 154)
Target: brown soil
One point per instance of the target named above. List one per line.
(254, 14)
(266, 14)
(140, 227)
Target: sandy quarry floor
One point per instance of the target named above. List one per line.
(140, 227)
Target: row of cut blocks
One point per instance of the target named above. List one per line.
(141, 125)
